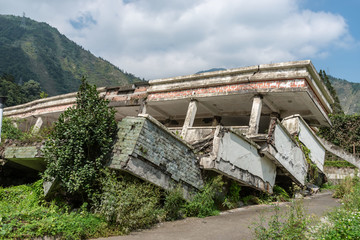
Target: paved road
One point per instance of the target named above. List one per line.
(227, 226)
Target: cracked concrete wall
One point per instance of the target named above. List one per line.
(236, 157)
(296, 125)
(238, 154)
(147, 150)
(289, 154)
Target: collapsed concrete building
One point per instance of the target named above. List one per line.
(246, 124)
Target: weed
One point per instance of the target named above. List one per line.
(174, 204)
(24, 214)
(345, 187)
(233, 197)
(128, 202)
(203, 203)
(290, 225)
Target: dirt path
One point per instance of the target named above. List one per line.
(227, 226)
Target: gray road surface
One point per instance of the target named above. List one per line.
(227, 226)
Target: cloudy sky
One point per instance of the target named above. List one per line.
(163, 38)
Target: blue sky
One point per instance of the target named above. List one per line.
(341, 63)
(161, 38)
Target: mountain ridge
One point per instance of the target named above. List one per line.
(348, 93)
(35, 50)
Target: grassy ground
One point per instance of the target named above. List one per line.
(24, 214)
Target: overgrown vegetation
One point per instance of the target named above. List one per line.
(344, 132)
(203, 203)
(338, 164)
(77, 148)
(18, 93)
(341, 223)
(313, 172)
(24, 215)
(128, 203)
(11, 132)
(336, 105)
(289, 225)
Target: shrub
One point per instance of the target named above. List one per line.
(128, 202)
(203, 203)
(174, 204)
(345, 187)
(290, 225)
(77, 148)
(233, 196)
(9, 131)
(280, 194)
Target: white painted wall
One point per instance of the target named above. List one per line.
(289, 154)
(317, 151)
(242, 154)
(296, 125)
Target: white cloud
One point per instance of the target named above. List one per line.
(161, 38)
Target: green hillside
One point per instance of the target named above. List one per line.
(348, 93)
(33, 50)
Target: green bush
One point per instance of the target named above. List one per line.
(9, 131)
(128, 202)
(78, 146)
(345, 187)
(233, 196)
(280, 194)
(290, 225)
(174, 204)
(203, 203)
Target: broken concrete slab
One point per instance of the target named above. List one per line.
(146, 149)
(29, 156)
(238, 158)
(297, 126)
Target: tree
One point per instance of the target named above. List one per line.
(77, 149)
(337, 109)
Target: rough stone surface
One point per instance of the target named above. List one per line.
(336, 175)
(29, 156)
(150, 152)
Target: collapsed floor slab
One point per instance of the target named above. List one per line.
(146, 149)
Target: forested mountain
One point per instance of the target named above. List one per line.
(37, 51)
(348, 93)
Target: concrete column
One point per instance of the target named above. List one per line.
(37, 125)
(143, 107)
(2, 102)
(190, 117)
(255, 115)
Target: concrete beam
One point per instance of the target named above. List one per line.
(255, 115)
(271, 105)
(190, 117)
(37, 126)
(338, 151)
(158, 110)
(210, 108)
